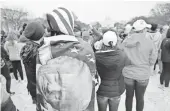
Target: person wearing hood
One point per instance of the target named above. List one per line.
(142, 54)
(65, 67)
(110, 62)
(156, 37)
(33, 32)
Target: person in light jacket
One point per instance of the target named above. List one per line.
(142, 54)
(13, 47)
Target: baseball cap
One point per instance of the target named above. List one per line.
(110, 36)
(140, 25)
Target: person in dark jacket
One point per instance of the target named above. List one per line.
(5, 70)
(28, 55)
(110, 62)
(165, 58)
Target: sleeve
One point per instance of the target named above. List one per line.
(38, 64)
(97, 37)
(127, 61)
(5, 47)
(159, 41)
(4, 53)
(153, 55)
(162, 44)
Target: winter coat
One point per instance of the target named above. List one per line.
(109, 66)
(28, 55)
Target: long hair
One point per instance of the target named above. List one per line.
(167, 45)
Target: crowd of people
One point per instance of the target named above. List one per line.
(64, 66)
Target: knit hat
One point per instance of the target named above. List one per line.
(140, 25)
(34, 31)
(61, 20)
(110, 36)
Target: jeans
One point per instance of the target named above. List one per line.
(17, 67)
(138, 87)
(5, 72)
(165, 75)
(113, 103)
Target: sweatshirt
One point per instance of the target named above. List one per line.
(142, 53)
(13, 50)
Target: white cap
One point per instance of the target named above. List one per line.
(128, 28)
(110, 36)
(140, 25)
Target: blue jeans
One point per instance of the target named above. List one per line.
(138, 87)
(113, 103)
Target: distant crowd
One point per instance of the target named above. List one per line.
(64, 65)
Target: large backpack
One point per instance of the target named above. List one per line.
(64, 74)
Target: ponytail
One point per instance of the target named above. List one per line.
(111, 44)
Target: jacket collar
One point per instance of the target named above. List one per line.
(61, 37)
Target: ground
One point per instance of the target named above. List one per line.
(157, 98)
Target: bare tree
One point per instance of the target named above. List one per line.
(161, 13)
(12, 19)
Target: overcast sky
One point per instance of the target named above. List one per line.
(86, 10)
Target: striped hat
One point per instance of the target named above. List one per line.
(61, 20)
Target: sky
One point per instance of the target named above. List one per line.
(86, 10)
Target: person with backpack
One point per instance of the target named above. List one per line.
(165, 58)
(65, 65)
(110, 61)
(142, 54)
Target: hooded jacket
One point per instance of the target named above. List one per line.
(109, 66)
(142, 53)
